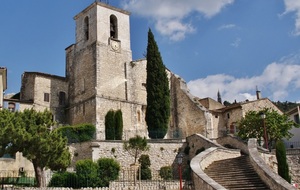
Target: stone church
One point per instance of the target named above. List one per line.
(101, 75)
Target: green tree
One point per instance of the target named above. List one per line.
(158, 93)
(135, 146)
(277, 125)
(30, 133)
(283, 167)
(108, 170)
(118, 125)
(110, 125)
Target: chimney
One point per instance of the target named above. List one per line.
(258, 93)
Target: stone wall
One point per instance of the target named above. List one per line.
(293, 158)
(188, 116)
(11, 166)
(161, 153)
(272, 179)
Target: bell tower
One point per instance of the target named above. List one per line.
(97, 64)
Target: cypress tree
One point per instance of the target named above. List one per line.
(118, 125)
(158, 93)
(283, 167)
(110, 125)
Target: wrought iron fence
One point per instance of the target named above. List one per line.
(128, 177)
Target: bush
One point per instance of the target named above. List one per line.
(64, 179)
(87, 173)
(166, 172)
(145, 174)
(108, 170)
(187, 150)
(144, 160)
(78, 133)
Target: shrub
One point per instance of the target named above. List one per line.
(144, 160)
(64, 179)
(87, 171)
(108, 170)
(78, 133)
(165, 172)
(187, 150)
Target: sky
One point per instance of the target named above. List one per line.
(230, 46)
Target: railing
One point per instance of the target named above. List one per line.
(127, 178)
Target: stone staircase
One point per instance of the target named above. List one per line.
(236, 174)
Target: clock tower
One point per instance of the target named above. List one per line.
(98, 68)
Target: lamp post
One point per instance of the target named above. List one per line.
(263, 116)
(179, 158)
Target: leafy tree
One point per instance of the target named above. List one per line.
(108, 170)
(135, 146)
(283, 167)
(110, 125)
(158, 93)
(118, 125)
(277, 125)
(30, 133)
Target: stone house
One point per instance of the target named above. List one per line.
(294, 115)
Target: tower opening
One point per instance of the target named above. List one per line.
(86, 28)
(113, 27)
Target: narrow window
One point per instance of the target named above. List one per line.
(46, 97)
(86, 28)
(62, 98)
(139, 116)
(228, 116)
(113, 27)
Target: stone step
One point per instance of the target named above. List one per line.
(236, 174)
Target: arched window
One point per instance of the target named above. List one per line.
(86, 28)
(113, 27)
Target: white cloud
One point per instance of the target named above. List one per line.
(236, 42)
(277, 82)
(227, 26)
(170, 15)
(294, 6)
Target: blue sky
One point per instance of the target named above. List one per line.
(226, 45)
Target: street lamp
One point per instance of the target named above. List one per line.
(263, 116)
(179, 158)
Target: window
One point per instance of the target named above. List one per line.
(86, 28)
(46, 97)
(139, 116)
(62, 98)
(228, 116)
(113, 27)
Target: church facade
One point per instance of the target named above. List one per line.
(101, 76)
